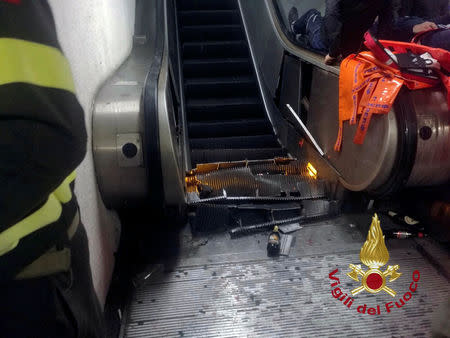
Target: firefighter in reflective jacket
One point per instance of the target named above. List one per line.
(46, 286)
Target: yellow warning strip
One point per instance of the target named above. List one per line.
(34, 63)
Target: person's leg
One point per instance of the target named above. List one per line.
(313, 31)
(299, 26)
(439, 39)
(34, 308)
(63, 305)
(80, 296)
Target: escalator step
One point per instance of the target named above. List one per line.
(216, 67)
(215, 49)
(207, 4)
(212, 33)
(209, 17)
(235, 142)
(224, 109)
(225, 114)
(229, 155)
(229, 128)
(236, 86)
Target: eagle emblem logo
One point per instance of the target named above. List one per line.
(374, 255)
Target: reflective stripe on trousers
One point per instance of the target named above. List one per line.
(49, 213)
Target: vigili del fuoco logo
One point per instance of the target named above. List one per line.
(374, 255)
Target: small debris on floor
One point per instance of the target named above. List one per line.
(200, 242)
(273, 243)
(288, 228)
(286, 243)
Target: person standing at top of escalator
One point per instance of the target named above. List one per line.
(46, 287)
(340, 32)
(426, 17)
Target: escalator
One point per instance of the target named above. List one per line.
(225, 113)
(235, 154)
(211, 144)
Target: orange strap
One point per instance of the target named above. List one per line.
(367, 87)
(364, 122)
(357, 80)
(446, 81)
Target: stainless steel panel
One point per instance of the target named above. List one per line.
(365, 166)
(118, 117)
(432, 165)
(172, 164)
(171, 157)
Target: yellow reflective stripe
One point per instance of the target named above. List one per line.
(34, 63)
(63, 193)
(49, 213)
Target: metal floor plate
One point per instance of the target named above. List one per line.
(220, 293)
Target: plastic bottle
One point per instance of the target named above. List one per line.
(273, 244)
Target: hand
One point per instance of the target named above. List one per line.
(329, 60)
(423, 27)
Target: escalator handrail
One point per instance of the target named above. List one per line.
(152, 158)
(184, 124)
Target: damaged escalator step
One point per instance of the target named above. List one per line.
(283, 214)
(285, 245)
(209, 17)
(261, 179)
(311, 188)
(209, 218)
(317, 188)
(229, 128)
(313, 209)
(212, 33)
(215, 49)
(235, 142)
(245, 230)
(292, 227)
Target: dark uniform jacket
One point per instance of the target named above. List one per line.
(42, 130)
(431, 10)
(346, 21)
(415, 12)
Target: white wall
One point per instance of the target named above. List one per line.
(96, 36)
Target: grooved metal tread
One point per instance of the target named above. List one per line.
(285, 297)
